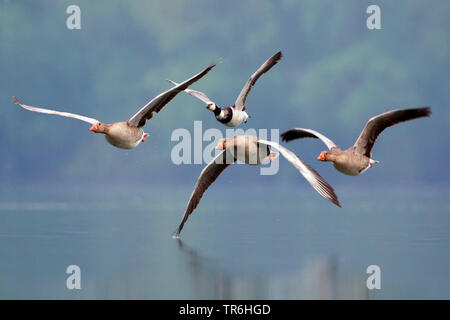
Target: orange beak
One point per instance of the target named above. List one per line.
(94, 127)
(220, 145)
(321, 157)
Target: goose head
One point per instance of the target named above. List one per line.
(324, 156)
(98, 127)
(222, 144)
(211, 107)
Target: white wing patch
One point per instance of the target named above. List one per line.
(58, 113)
(316, 181)
(199, 95)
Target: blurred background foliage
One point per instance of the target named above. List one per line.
(334, 76)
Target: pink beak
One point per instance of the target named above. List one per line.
(94, 128)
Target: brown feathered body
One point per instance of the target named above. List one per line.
(123, 136)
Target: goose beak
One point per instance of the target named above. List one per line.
(321, 157)
(220, 145)
(94, 127)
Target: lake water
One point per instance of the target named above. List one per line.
(279, 243)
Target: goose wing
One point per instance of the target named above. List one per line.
(157, 103)
(58, 113)
(316, 181)
(377, 124)
(208, 175)
(266, 66)
(298, 133)
(199, 95)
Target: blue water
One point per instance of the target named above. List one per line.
(279, 243)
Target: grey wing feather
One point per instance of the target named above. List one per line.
(316, 181)
(199, 95)
(157, 103)
(377, 124)
(240, 101)
(298, 133)
(208, 175)
(58, 113)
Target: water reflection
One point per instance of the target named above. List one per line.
(314, 254)
(318, 277)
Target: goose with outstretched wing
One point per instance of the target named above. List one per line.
(253, 151)
(358, 158)
(234, 115)
(126, 134)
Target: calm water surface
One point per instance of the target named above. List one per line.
(289, 244)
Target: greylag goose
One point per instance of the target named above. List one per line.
(234, 115)
(127, 134)
(358, 158)
(253, 151)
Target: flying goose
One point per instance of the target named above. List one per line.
(253, 151)
(234, 115)
(127, 134)
(358, 158)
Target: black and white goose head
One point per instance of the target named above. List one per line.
(219, 113)
(213, 107)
